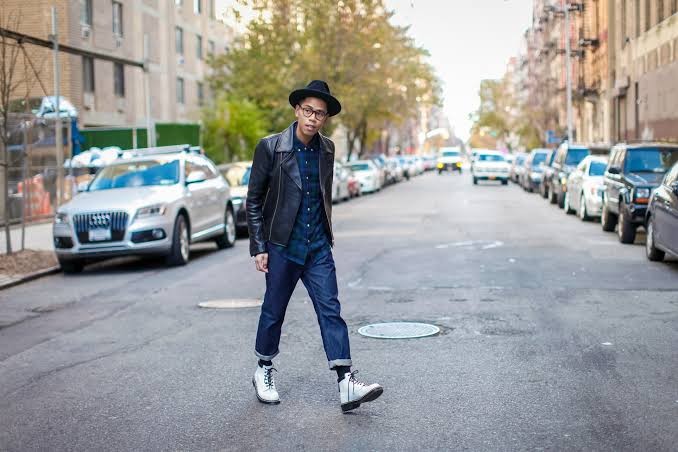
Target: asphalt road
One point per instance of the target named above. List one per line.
(554, 336)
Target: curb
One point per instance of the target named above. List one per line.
(30, 277)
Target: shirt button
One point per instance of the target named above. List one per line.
(309, 209)
(308, 192)
(306, 177)
(308, 225)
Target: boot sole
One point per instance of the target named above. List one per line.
(267, 402)
(369, 397)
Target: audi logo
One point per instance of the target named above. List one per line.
(99, 220)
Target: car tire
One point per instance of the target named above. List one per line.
(504, 182)
(561, 200)
(582, 213)
(553, 197)
(475, 181)
(566, 204)
(608, 220)
(72, 267)
(227, 239)
(544, 191)
(625, 229)
(180, 250)
(653, 253)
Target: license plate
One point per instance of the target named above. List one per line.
(99, 235)
(493, 177)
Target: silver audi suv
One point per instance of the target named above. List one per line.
(154, 201)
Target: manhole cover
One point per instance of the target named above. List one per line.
(399, 330)
(237, 303)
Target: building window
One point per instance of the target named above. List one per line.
(198, 47)
(181, 98)
(210, 46)
(178, 2)
(88, 74)
(179, 40)
(647, 15)
(213, 13)
(197, 6)
(201, 94)
(119, 79)
(660, 10)
(637, 17)
(86, 12)
(624, 28)
(117, 18)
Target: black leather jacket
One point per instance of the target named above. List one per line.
(274, 191)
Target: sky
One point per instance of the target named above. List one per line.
(469, 40)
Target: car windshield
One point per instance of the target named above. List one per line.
(520, 160)
(597, 168)
(246, 177)
(360, 167)
(450, 154)
(575, 156)
(490, 158)
(652, 160)
(539, 158)
(136, 174)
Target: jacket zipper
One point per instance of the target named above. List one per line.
(322, 189)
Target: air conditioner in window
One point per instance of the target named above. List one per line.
(85, 32)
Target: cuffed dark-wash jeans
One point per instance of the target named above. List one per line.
(320, 278)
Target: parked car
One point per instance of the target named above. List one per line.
(568, 156)
(157, 202)
(395, 170)
(449, 159)
(661, 220)
(633, 172)
(406, 164)
(44, 107)
(340, 190)
(238, 177)
(381, 169)
(533, 169)
(547, 175)
(353, 182)
(490, 165)
(517, 168)
(368, 174)
(585, 188)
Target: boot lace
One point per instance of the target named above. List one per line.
(268, 377)
(354, 380)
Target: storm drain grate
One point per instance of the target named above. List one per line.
(399, 330)
(237, 303)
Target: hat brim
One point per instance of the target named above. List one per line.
(333, 105)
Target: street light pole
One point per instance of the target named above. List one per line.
(150, 128)
(568, 70)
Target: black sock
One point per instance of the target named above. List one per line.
(341, 372)
(263, 363)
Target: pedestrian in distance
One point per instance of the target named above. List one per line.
(289, 217)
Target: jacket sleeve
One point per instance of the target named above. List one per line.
(257, 189)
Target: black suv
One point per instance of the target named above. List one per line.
(566, 160)
(634, 170)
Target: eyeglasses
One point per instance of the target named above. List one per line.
(319, 114)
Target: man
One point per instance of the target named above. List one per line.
(289, 217)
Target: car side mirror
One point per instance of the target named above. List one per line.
(195, 177)
(83, 186)
(613, 170)
(674, 188)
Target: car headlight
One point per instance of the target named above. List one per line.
(150, 211)
(61, 218)
(642, 193)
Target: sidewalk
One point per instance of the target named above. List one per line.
(36, 261)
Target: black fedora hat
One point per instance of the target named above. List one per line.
(319, 89)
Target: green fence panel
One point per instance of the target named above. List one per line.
(167, 134)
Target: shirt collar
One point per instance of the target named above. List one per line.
(297, 143)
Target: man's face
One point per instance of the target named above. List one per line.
(310, 125)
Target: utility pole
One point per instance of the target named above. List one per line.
(568, 70)
(59, 131)
(150, 127)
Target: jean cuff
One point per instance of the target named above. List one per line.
(340, 362)
(265, 357)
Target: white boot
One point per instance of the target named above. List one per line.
(354, 392)
(264, 384)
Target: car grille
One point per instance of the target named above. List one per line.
(116, 221)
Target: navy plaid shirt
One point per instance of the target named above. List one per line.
(308, 234)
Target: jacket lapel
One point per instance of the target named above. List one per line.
(288, 160)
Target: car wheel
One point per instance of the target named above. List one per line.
(543, 191)
(582, 213)
(71, 267)
(181, 242)
(227, 239)
(553, 197)
(566, 204)
(504, 182)
(607, 219)
(475, 181)
(561, 200)
(651, 251)
(625, 229)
